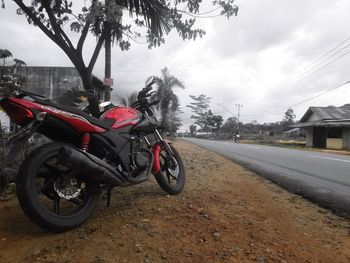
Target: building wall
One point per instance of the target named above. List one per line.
(50, 81)
(331, 143)
(334, 143)
(314, 117)
(319, 137)
(346, 138)
(309, 136)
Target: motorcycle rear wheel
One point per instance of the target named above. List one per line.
(171, 177)
(53, 194)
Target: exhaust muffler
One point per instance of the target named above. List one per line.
(93, 167)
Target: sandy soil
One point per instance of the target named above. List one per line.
(225, 214)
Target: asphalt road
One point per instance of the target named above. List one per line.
(321, 177)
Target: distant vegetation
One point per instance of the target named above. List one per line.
(206, 124)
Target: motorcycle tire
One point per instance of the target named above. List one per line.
(53, 194)
(165, 178)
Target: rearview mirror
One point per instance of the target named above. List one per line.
(150, 81)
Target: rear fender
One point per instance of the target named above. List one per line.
(16, 143)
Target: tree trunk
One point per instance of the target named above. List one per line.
(108, 54)
(164, 122)
(2, 143)
(3, 179)
(86, 77)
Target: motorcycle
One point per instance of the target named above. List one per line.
(59, 183)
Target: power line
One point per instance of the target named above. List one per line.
(298, 103)
(226, 109)
(314, 62)
(201, 15)
(310, 70)
(220, 67)
(311, 73)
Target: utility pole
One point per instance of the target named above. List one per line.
(108, 81)
(239, 111)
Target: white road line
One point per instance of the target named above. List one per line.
(327, 158)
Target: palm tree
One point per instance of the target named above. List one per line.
(168, 99)
(4, 53)
(173, 120)
(132, 98)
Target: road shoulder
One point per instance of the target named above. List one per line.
(226, 213)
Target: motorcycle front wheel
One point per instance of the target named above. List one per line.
(52, 193)
(171, 177)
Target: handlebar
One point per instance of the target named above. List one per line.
(154, 102)
(144, 94)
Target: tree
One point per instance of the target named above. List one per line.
(4, 53)
(9, 80)
(132, 98)
(169, 102)
(230, 125)
(103, 20)
(174, 122)
(193, 129)
(287, 121)
(200, 107)
(217, 120)
(213, 122)
(289, 116)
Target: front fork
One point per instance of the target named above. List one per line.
(157, 148)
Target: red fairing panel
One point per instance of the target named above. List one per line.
(79, 123)
(156, 161)
(123, 116)
(18, 113)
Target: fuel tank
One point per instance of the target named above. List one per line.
(122, 116)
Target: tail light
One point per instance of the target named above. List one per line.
(19, 114)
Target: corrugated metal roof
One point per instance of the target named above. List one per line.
(327, 113)
(321, 124)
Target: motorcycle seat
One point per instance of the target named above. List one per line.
(103, 123)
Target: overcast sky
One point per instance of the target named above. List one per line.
(273, 55)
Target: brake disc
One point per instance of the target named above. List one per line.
(68, 188)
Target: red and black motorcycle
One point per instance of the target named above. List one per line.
(59, 183)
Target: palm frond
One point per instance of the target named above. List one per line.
(20, 62)
(132, 98)
(155, 13)
(4, 53)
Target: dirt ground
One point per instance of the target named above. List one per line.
(225, 214)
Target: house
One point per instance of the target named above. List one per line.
(326, 127)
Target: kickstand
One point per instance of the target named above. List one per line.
(109, 193)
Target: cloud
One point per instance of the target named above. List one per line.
(241, 60)
(263, 24)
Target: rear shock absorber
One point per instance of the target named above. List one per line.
(85, 142)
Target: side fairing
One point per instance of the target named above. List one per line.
(78, 123)
(123, 116)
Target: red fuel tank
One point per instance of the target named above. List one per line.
(123, 116)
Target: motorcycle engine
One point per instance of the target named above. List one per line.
(142, 161)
